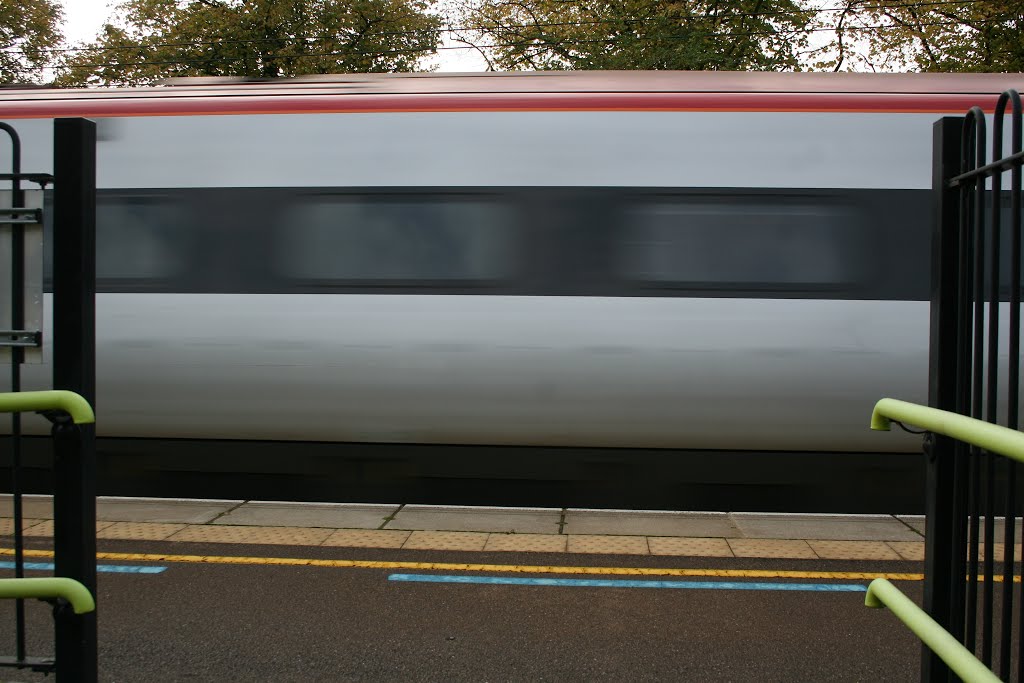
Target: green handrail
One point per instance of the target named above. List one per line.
(34, 401)
(994, 438)
(47, 588)
(962, 661)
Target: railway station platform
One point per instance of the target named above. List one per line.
(427, 527)
(218, 590)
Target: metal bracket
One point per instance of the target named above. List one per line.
(20, 216)
(55, 416)
(21, 338)
(44, 665)
(40, 179)
(928, 446)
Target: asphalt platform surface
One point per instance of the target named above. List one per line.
(221, 613)
(200, 590)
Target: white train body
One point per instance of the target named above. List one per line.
(598, 358)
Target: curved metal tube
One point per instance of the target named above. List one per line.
(77, 595)
(33, 401)
(962, 661)
(994, 438)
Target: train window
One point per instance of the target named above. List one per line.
(139, 238)
(1006, 231)
(733, 242)
(396, 238)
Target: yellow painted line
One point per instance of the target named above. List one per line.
(504, 568)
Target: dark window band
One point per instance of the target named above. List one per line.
(825, 244)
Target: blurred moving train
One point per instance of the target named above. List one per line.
(603, 289)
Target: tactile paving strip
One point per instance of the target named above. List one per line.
(690, 547)
(531, 543)
(679, 546)
(140, 531)
(909, 550)
(7, 525)
(446, 540)
(755, 547)
(351, 538)
(45, 528)
(624, 545)
(278, 535)
(853, 550)
(999, 549)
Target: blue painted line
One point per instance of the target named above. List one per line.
(108, 568)
(618, 583)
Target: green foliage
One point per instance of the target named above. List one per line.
(888, 35)
(154, 39)
(29, 29)
(157, 39)
(637, 34)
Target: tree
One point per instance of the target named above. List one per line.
(254, 38)
(29, 29)
(946, 35)
(637, 34)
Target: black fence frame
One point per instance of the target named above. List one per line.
(966, 487)
(74, 368)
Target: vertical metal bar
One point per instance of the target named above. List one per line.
(1013, 391)
(74, 540)
(977, 382)
(74, 368)
(17, 357)
(991, 383)
(961, 370)
(941, 580)
(970, 362)
(991, 414)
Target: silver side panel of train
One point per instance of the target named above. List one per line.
(578, 149)
(568, 371)
(720, 373)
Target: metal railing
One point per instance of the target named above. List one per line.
(76, 407)
(73, 345)
(962, 661)
(50, 588)
(991, 438)
(974, 370)
(75, 657)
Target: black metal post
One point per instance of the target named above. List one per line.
(74, 511)
(74, 368)
(940, 587)
(74, 257)
(17, 357)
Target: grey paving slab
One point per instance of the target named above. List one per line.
(168, 511)
(323, 515)
(824, 527)
(497, 520)
(631, 523)
(916, 522)
(1001, 529)
(35, 507)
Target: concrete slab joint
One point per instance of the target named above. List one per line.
(552, 530)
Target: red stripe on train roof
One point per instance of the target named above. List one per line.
(476, 102)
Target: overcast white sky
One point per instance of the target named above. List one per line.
(83, 19)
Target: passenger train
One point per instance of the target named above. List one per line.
(646, 289)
